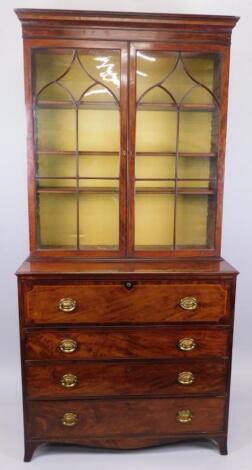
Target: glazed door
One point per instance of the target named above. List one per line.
(176, 105)
(79, 127)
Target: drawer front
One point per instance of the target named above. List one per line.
(75, 380)
(114, 418)
(126, 342)
(115, 303)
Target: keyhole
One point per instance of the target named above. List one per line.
(128, 285)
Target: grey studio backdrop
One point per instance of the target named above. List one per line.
(236, 245)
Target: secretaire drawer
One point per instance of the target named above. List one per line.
(114, 418)
(70, 380)
(126, 302)
(106, 343)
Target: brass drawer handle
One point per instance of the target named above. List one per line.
(187, 344)
(186, 378)
(188, 303)
(184, 416)
(69, 419)
(69, 381)
(67, 304)
(68, 345)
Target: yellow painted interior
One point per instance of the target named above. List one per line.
(89, 166)
(156, 131)
(103, 166)
(57, 220)
(192, 221)
(99, 221)
(56, 166)
(200, 167)
(154, 167)
(99, 130)
(56, 130)
(154, 218)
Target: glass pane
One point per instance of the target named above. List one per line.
(195, 221)
(99, 165)
(196, 132)
(196, 167)
(152, 67)
(99, 220)
(57, 183)
(56, 165)
(177, 132)
(156, 131)
(62, 73)
(100, 184)
(103, 66)
(56, 130)
(77, 128)
(154, 167)
(57, 220)
(153, 221)
(99, 130)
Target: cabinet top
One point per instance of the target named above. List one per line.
(129, 19)
(133, 268)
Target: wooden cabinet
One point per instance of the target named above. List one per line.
(125, 294)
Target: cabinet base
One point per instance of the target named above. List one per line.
(133, 443)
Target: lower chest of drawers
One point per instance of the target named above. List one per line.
(125, 364)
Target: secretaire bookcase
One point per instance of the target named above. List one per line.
(126, 306)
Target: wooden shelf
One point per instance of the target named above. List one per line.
(111, 105)
(172, 107)
(191, 191)
(180, 154)
(102, 178)
(58, 104)
(71, 190)
(143, 190)
(138, 154)
(80, 152)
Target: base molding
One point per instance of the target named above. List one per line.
(127, 443)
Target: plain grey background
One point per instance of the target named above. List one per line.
(236, 244)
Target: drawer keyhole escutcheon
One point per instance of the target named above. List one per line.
(67, 304)
(128, 285)
(186, 344)
(69, 381)
(184, 416)
(188, 303)
(68, 345)
(69, 419)
(186, 378)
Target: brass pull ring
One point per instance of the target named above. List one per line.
(186, 378)
(186, 344)
(69, 419)
(67, 304)
(69, 381)
(184, 416)
(188, 303)
(68, 345)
